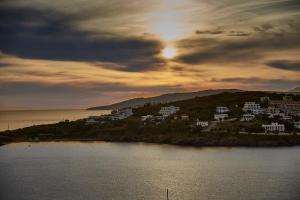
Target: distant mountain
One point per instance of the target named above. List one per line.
(296, 90)
(165, 98)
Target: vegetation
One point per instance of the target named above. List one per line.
(169, 131)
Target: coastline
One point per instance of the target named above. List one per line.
(223, 143)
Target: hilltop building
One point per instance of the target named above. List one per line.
(169, 110)
(202, 123)
(247, 117)
(297, 124)
(222, 109)
(274, 127)
(123, 113)
(220, 117)
(262, 99)
(146, 117)
(252, 107)
(287, 105)
(182, 117)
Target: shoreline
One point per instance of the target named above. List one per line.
(87, 140)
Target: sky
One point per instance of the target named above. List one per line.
(81, 53)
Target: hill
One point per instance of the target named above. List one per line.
(165, 98)
(295, 90)
(168, 131)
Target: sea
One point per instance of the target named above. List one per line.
(137, 171)
(10, 120)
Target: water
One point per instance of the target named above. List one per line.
(20, 119)
(93, 171)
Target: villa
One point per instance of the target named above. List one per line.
(90, 121)
(221, 109)
(123, 113)
(274, 127)
(202, 123)
(288, 105)
(146, 117)
(253, 107)
(297, 124)
(220, 117)
(169, 110)
(247, 117)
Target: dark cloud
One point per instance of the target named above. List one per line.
(45, 34)
(239, 33)
(243, 49)
(256, 82)
(212, 32)
(8, 88)
(285, 64)
(4, 64)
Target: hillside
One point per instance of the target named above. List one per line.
(169, 131)
(295, 90)
(165, 98)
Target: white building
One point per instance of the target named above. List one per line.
(202, 123)
(221, 109)
(167, 111)
(146, 117)
(122, 114)
(286, 118)
(253, 107)
(262, 99)
(274, 127)
(184, 117)
(297, 124)
(272, 110)
(220, 117)
(247, 117)
(90, 121)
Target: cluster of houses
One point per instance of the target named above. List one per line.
(284, 109)
(118, 114)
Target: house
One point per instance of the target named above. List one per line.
(90, 120)
(253, 107)
(274, 127)
(123, 113)
(184, 117)
(221, 109)
(247, 117)
(263, 99)
(272, 110)
(287, 105)
(297, 124)
(220, 117)
(146, 117)
(286, 118)
(202, 123)
(169, 110)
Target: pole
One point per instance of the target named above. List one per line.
(167, 194)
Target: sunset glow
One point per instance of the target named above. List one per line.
(169, 52)
(99, 52)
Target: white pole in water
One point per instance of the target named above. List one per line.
(167, 194)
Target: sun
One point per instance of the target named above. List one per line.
(169, 52)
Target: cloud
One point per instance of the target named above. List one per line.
(285, 64)
(239, 33)
(212, 32)
(244, 49)
(40, 95)
(48, 34)
(256, 82)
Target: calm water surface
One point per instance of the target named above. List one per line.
(90, 171)
(20, 119)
